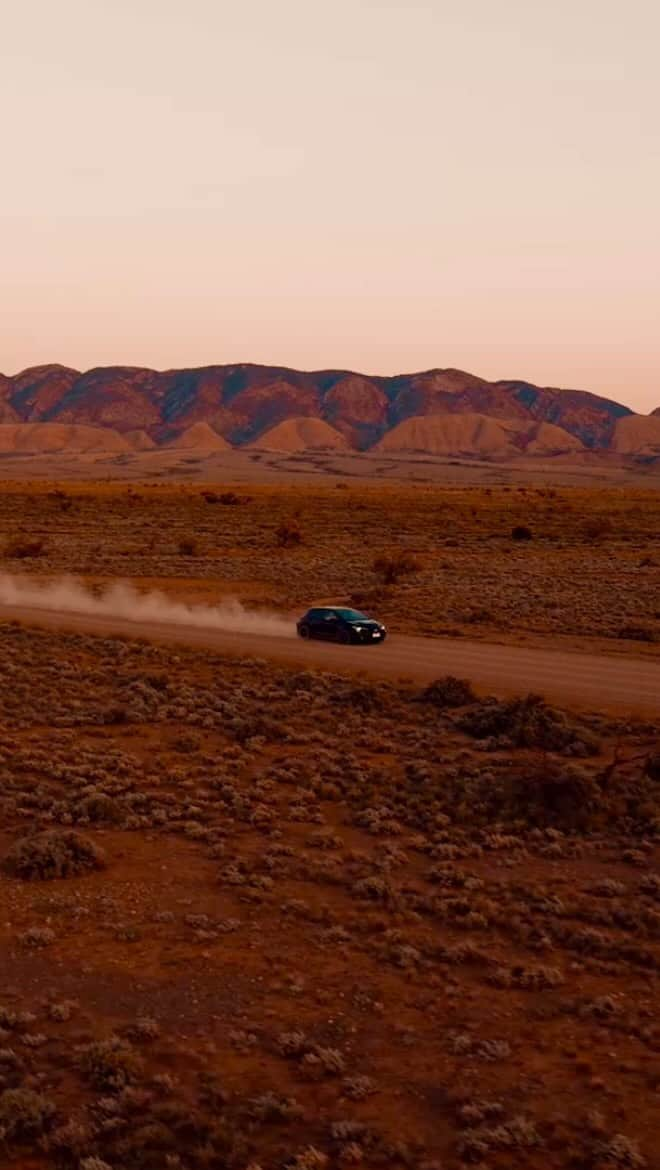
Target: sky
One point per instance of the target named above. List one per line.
(378, 186)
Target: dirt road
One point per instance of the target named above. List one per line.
(625, 685)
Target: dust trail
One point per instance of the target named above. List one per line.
(120, 599)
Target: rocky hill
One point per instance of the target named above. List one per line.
(245, 404)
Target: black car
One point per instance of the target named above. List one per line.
(340, 625)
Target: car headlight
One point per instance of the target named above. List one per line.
(358, 629)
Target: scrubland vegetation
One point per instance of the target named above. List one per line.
(260, 918)
(573, 563)
(254, 917)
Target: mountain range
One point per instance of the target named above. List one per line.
(210, 408)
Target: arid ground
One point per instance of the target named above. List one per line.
(260, 916)
(575, 565)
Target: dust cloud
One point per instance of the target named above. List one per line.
(120, 599)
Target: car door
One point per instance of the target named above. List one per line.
(318, 623)
(328, 626)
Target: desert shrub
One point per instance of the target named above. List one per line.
(100, 808)
(391, 569)
(449, 692)
(528, 722)
(20, 549)
(618, 1151)
(530, 794)
(37, 936)
(322, 1062)
(229, 499)
(24, 1113)
(358, 1087)
(521, 532)
(272, 1107)
(188, 547)
(110, 1064)
(309, 1159)
(54, 854)
(519, 1133)
(288, 535)
(551, 795)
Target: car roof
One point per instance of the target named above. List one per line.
(338, 610)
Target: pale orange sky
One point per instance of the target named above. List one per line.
(374, 185)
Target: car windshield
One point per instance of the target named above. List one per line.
(352, 615)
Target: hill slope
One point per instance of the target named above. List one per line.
(478, 434)
(637, 434)
(39, 438)
(302, 434)
(449, 434)
(199, 437)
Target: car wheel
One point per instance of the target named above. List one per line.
(305, 632)
(344, 636)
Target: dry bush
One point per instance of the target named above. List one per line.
(530, 723)
(110, 1064)
(24, 1113)
(99, 808)
(449, 692)
(618, 1151)
(391, 569)
(549, 794)
(54, 854)
(521, 532)
(19, 549)
(229, 499)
